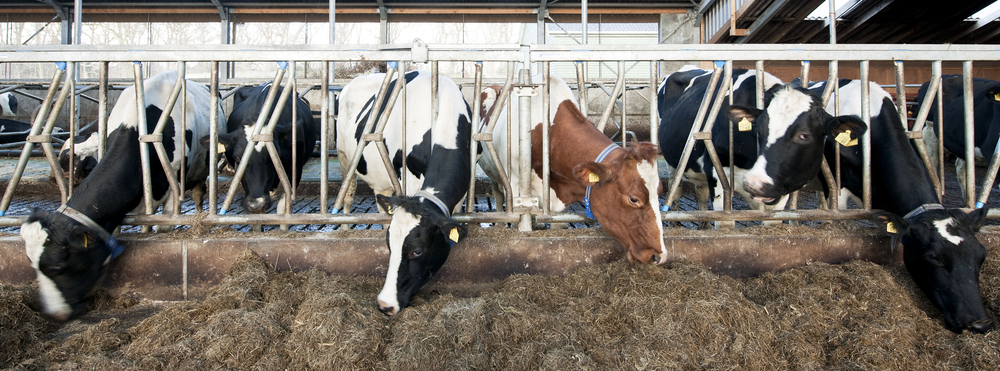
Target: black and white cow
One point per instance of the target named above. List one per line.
(421, 232)
(941, 251)
(986, 114)
(12, 131)
(8, 104)
(788, 108)
(70, 247)
(85, 150)
(260, 182)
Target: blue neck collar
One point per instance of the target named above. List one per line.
(604, 154)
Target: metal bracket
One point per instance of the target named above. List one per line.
(374, 137)
(151, 138)
(418, 53)
(38, 138)
(526, 203)
(262, 138)
(525, 91)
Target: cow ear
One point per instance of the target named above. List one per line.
(976, 218)
(454, 232)
(83, 236)
(993, 94)
(88, 163)
(225, 142)
(890, 223)
(386, 203)
(38, 214)
(591, 173)
(845, 129)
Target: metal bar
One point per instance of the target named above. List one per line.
(654, 115)
(524, 165)
(675, 179)
(970, 136)
(356, 157)
(324, 130)
(624, 106)
(74, 131)
(140, 109)
(866, 145)
(36, 128)
(900, 93)
(619, 86)
(401, 71)
(213, 132)
(477, 105)
(50, 122)
(546, 139)
(102, 111)
(581, 83)
(265, 111)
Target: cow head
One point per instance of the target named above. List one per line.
(84, 157)
(68, 258)
(791, 132)
(625, 200)
(419, 237)
(8, 104)
(943, 256)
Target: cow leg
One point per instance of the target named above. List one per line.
(352, 188)
(960, 175)
(198, 195)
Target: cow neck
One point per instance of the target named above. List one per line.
(109, 241)
(574, 140)
(600, 158)
(114, 188)
(905, 181)
(434, 200)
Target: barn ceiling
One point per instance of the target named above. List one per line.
(859, 22)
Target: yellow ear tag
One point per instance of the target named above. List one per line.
(453, 235)
(845, 139)
(891, 228)
(745, 125)
(996, 96)
(593, 178)
(220, 149)
(389, 211)
(85, 241)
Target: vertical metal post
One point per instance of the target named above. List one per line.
(74, 127)
(102, 110)
(324, 131)
(621, 68)
(970, 136)
(866, 145)
(213, 132)
(833, 22)
(546, 144)
(477, 106)
(654, 119)
(901, 93)
(581, 83)
(524, 165)
(936, 69)
(759, 67)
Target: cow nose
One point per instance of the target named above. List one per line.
(386, 308)
(981, 326)
(256, 205)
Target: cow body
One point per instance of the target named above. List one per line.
(941, 252)
(8, 104)
(678, 99)
(12, 131)
(437, 174)
(986, 114)
(261, 181)
(624, 185)
(67, 247)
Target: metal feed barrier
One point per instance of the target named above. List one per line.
(521, 207)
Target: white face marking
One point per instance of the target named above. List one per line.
(259, 147)
(757, 176)
(402, 223)
(942, 228)
(650, 176)
(786, 106)
(52, 299)
(85, 148)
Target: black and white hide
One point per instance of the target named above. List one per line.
(421, 232)
(70, 247)
(260, 182)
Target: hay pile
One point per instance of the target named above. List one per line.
(617, 316)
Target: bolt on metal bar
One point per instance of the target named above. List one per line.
(356, 157)
(265, 111)
(213, 132)
(36, 128)
(970, 136)
(619, 86)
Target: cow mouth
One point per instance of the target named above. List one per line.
(766, 200)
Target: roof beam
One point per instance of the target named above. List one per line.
(61, 11)
(762, 20)
(855, 22)
(982, 22)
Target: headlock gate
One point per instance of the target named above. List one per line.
(521, 209)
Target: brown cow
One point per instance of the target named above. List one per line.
(623, 184)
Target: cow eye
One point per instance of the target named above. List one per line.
(416, 253)
(633, 200)
(934, 259)
(803, 137)
(53, 270)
